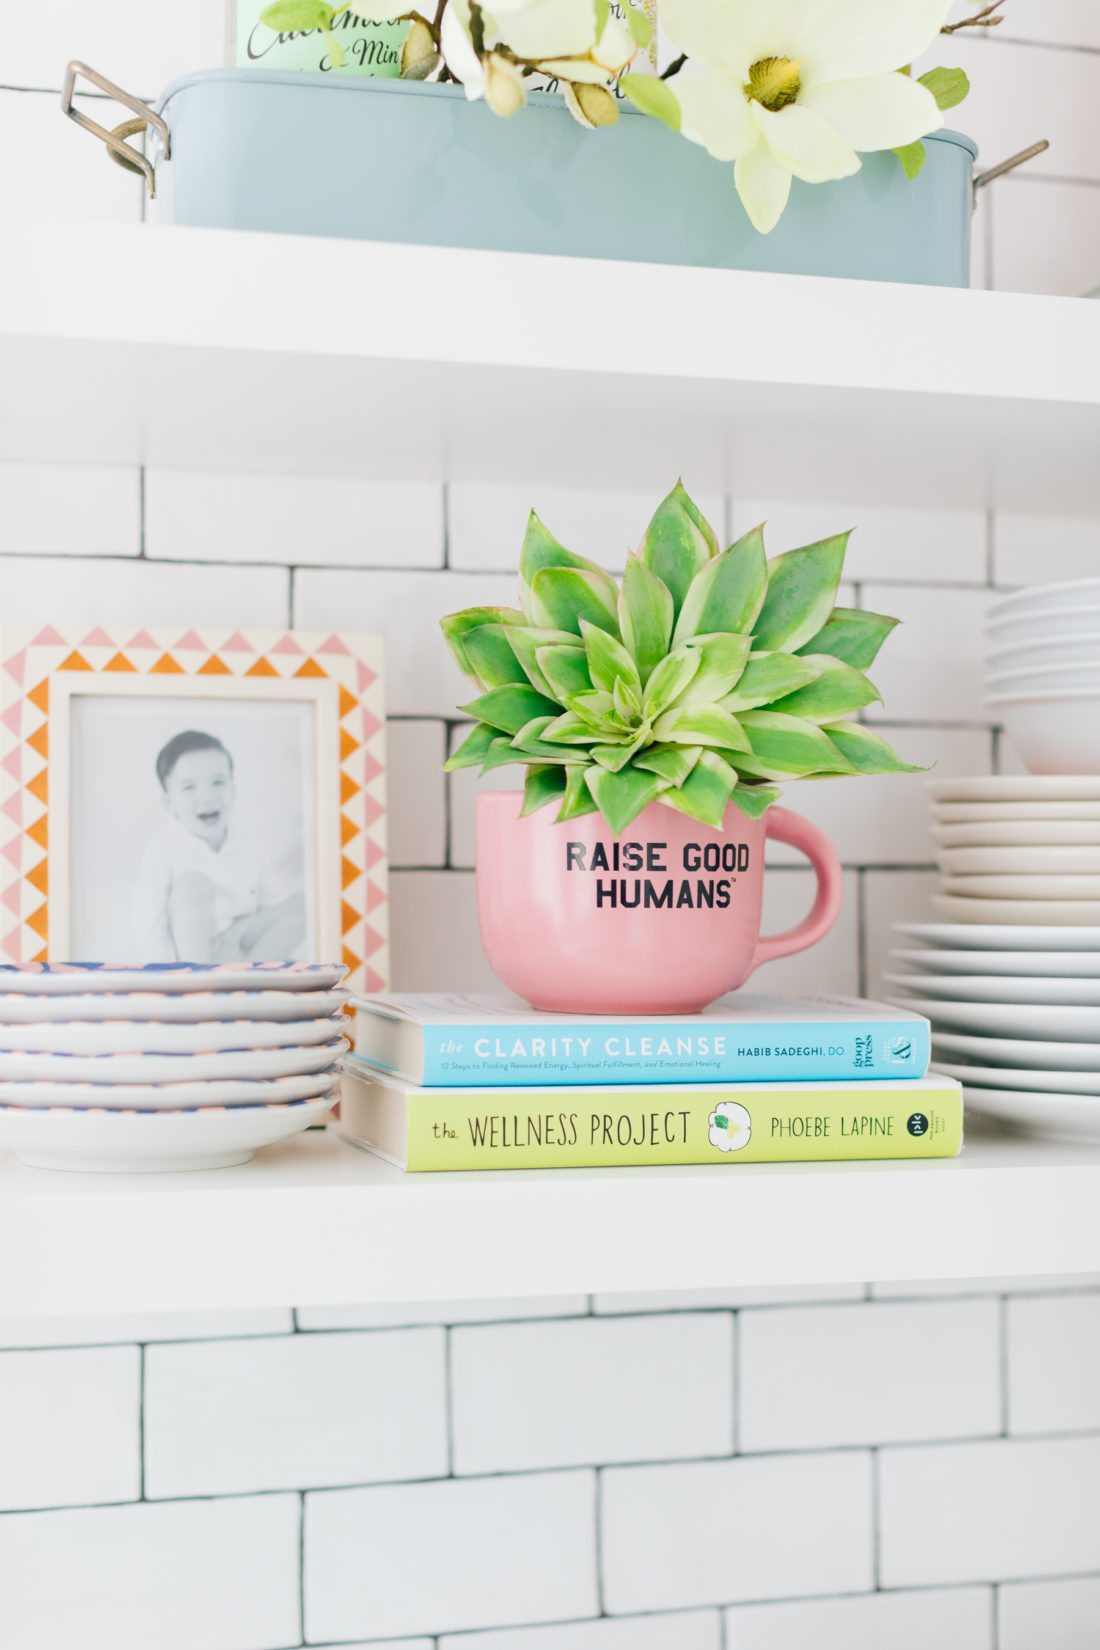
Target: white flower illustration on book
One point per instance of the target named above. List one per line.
(730, 1127)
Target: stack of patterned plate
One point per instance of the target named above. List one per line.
(169, 1066)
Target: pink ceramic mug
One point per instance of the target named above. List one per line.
(660, 921)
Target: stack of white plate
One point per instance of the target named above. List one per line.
(1043, 674)
(167, 1066)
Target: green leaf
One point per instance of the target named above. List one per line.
(456, 627)
(615, 757)
(473, 749)
(865, 751)
(492, 655)
(768, 676)
(565, 669)
(670, 762)
(541, 786)
(801, 590)
(728, 592)
(948, 86)
(562, 596)
(671, 679)
(838, 692)
(705, 793)
(578, 798)
(287, 16)
(701, 725)
(912, 157)
(621, 797)
(652, 97)
(526, 642)
(788, 745)
(678, 542)
(602, 11)
(541, 549)
(597, 709)
(754, 800)
(851, 634)
(501, 755)
(646, 613)
(569, 729)
(529, 740)
(723, 664)
(641, 29)
(510, 708)
(608, 661)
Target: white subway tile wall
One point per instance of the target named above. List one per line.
(858, 1498)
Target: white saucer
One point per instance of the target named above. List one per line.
(249, 1064)
(176, 1008)
(1011, 1051)
(135, 1142)
(1031, 890)
(1053, 965)
(1015, 913)
(1060, 1025)
(1070, 1117)
(1059, 992)
(170, 1096)
(1013, 1077)
(156, 1037)
(1030, 862)
(997, 936)
(66, 977)
(1020, 834)
(977, 813)
(1004, 787)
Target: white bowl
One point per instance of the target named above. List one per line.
(1020, 833)
(1045, 887)
(1026, 861)
(1055, 733)
(1064, 650)
(1036, 598)
(1046, 679)
(1045, 627)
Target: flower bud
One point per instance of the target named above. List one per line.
(592, 105)
(504, 88)
(419, 55)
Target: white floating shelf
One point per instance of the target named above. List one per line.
(208, 349)
(319, 1222)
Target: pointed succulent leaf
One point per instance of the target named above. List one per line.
(501, 753)
(769, 676)
(615, 757)
(597, 709)
(671, 678)
(621, 797)
(510, 708)
(754, 800)
(678, 544)
(608, 660)
(540, 787)
(706, 791)
(457, 626)
(701, 725)
(564, 669)
(838, 692)
(562, 596)
(646, 613)
(527, 642)
(473, 749)
(578, 799)
(865, 751)
(492, 656)
(541, 549)
(802, 587)
(723, 663)
(670, 762)
(530, 743)
(790, 745)
(851, 634)
(569, 729)
(728, 592)
(627, 705)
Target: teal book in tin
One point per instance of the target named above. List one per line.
(451, 1040)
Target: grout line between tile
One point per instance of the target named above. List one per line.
(141, 1422)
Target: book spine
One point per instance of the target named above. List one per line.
(523, 1128)
(564, 1052)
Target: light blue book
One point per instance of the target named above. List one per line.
(450, 1040)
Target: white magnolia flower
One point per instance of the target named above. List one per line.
(795, 87)
(556, 36)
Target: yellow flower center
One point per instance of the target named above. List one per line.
(774, 82)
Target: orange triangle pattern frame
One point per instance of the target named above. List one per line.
(354, 868)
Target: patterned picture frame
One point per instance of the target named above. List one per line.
(42, 668)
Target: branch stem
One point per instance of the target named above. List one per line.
(674, 68)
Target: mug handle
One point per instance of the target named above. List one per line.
(797, 832)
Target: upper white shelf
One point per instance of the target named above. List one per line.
(319, 1222)
(208, 349)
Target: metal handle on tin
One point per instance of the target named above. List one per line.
(120, 151)
(1010, 164)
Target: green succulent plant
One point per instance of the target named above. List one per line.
(702, 678)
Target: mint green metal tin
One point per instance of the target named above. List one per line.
(389, 160)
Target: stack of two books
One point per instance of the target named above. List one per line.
(470, 1082)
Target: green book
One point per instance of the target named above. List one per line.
(424, 1129)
